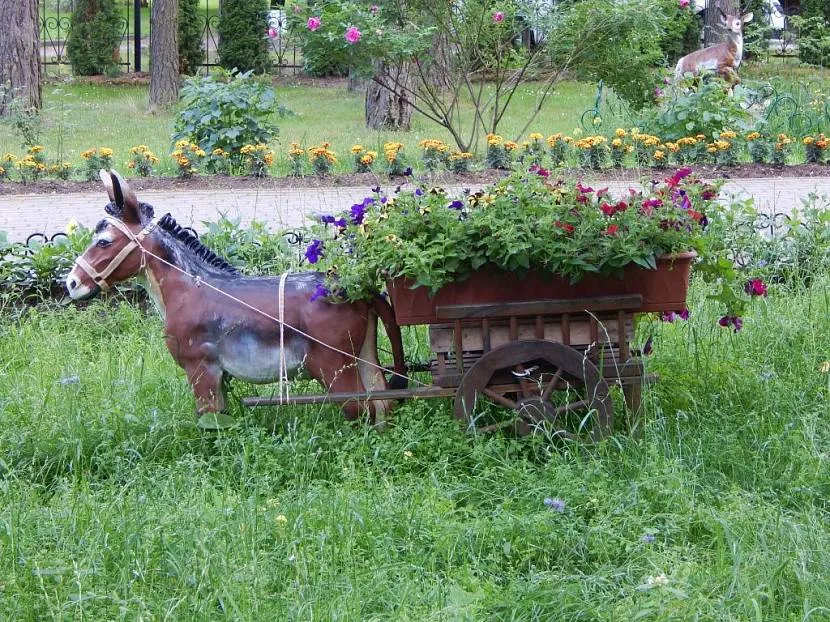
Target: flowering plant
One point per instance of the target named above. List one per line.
(142, 160)
(257, 159)
(96, 159)
(527, 220)
(187, 156)
(363, 159)
(322, 159)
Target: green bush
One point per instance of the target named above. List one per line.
(813, 40)
(242, 26)
(226, 114)
(815, 8)
(94, 36)
(191, 53)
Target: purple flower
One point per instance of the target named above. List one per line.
(648, 538)
(340, 223)
(314, 251)
(321, 291)
(456, 204)
(755, 287)
(556, 504)
(358, 211)
(419, 192)
(658, 92)
(668, 316)
(408, 171)
(376, 189)
(352, 35)
(327, 220)
(731, 320)
(374, 9)
(684, 314)
(679, 175)
(383, 200)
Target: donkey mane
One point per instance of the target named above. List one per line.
(186, 240)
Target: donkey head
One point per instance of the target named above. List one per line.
(115, 253)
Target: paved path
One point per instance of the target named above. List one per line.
(22, 215)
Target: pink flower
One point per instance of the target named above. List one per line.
(314, 23)
(352, 35)
(498, 17)
(658, 92)
(272, 33)
(755, 287)
(374, 9)
(683, 3)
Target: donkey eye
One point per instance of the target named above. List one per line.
(103, 243)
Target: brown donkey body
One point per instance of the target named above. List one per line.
(219, 323)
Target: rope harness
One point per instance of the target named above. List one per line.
(283, 361)
(135, 240)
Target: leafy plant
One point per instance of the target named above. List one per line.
(521, 222)
(95, 160)
(226, 113)
(191, 53)
(253, 249)
(94, 36)
(813, 40)
(242, 25)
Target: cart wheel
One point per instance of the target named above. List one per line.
(546, 385)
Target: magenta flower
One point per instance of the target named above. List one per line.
(498, 17)
(683, 3)
(374, 9)
(314, 23)
(352, 35)
(731, 320)
(272, 33)
(658, 92)
(755, 287)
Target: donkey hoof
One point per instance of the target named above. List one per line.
(215, 421)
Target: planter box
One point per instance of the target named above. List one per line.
(663, 289)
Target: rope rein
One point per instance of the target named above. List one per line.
(135, 242)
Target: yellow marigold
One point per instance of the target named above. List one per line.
(357, 149)
(723, 145)
(651, 141)
(554, 138)
(535, 136)
(367, 159)
(629, 148)
(86, 155)
(461, 155)
(753, 136)
(9, 157)
(2, 171)
(659, 155)
(619, 132)
(701, 136)
(782, 137)
(494, 139)
(617, 143)
(728, 135)
(130, 164)
(35, 149)
(181, 143)
(268, 159)
(510, 145)
(567, 139)
(673, 147)
(808, 140)
(105, 152)
(712, 149)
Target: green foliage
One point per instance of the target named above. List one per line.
(242, 27)
(617, 42)
(519, 223)
(699, 106)
(680, 29)
(252, 249)
(226, 113)
(813, 40)
(815, 8)
(191, 53)
(94, 36)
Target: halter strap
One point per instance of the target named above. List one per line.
(100, 277)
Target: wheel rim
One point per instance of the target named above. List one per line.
(528, 378)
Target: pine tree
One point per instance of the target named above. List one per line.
(94, 37)
(242, 26)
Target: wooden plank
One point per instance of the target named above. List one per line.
(342, 397)
(538, 307)
(442, 338)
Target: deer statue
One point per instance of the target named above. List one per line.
(724, 58)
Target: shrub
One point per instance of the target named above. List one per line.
(242, 45)
(142, 160)
(322, 159)
(191, 53)
(395, 159)
(188, 156)
(297, 156)
(363, 159)
(61, 170)
(257, 159)
(94, 36)
(813, 40)
(96, 159)
(498, 155)
(226, 114)
(32, 166)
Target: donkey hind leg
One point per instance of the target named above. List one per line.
(371, 372)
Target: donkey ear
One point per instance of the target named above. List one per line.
(105, 177)
(125, 198)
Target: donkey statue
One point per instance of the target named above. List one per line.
(219, 323)
(724, 58)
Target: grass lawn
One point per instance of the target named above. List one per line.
(114, 506)
(80, 116)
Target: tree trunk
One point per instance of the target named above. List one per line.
(164, 53)
(19, 53)
(387, 103)
(713, 31)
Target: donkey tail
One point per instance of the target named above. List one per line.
(393, 331)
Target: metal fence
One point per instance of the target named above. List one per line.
(134, 50)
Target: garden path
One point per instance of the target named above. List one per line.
(21, 215)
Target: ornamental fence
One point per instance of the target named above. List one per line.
(133, 53)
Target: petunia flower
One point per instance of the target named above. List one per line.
(321, 291)
(314, 251)
(755, 287)
(731, 320)
(456, 204)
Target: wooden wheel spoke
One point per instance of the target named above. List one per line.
(571, 406)
(551, 384)
(493, 427)
(497, 397)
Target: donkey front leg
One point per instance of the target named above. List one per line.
(206, 379)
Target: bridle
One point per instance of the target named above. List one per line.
(135, 240)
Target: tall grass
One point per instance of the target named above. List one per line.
(113, 505)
